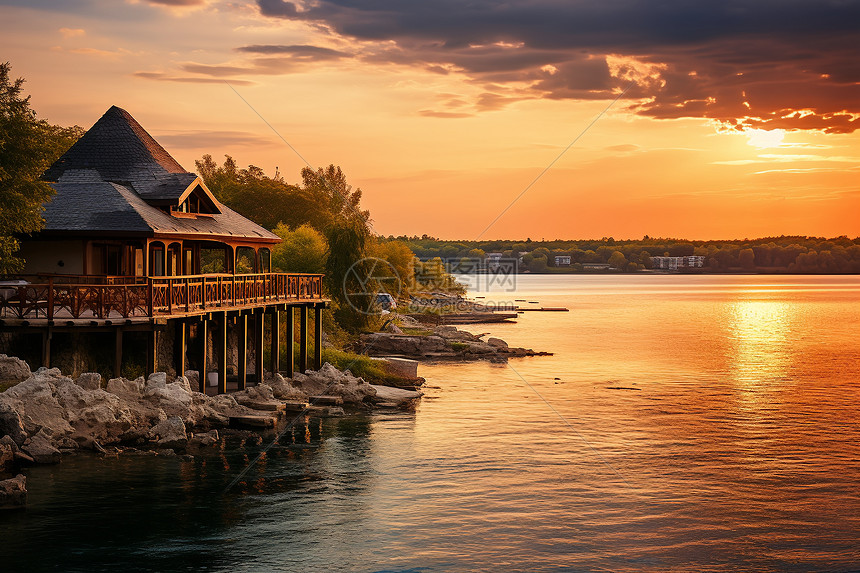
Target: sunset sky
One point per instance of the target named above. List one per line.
(736, 118)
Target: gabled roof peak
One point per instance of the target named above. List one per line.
(118, 148)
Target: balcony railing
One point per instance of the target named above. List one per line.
(107, 297)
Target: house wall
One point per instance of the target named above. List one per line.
(65, 257)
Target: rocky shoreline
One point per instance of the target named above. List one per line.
(443, 342)
(47, 415)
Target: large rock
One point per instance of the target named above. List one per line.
(89, 380)
(332, 382)
(193, 377)
(403, 367)
(174, 398)
(394, 396)
(36, 404)
(13, 370)
(13, 492)
(205, 439)
(96, 415)
(10, 423)
(40, 447)
(454, 333)
(156, 380)
(121, 386)
(7, 454)
(283, 389)
(387, 343)
(170, 433)
(497, 343)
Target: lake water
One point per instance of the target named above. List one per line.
(685, 423)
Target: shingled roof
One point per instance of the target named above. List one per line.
(103, 208)
(116, 177)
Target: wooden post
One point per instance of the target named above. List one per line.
(317, 337)
(291, 337)
(303, 339)
(151, 349)
(117, 359)
(259, 323)
(46, 347)
(222, 354)
(203, 336)
(276, 342)
(181, 365)
(242, 369)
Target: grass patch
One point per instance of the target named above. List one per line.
(459, 346)
(373, 371)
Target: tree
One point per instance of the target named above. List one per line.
(303, 250)
(28, 146)
(746, 258)
(617, 260)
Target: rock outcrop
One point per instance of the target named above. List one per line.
(445, 342)
(13, 492)
(13, 370)
(330, 381)
(48, 413)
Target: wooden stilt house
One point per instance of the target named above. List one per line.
(134, 242)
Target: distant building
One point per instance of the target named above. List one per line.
(675, 263)
(494, 260)
(562, 260)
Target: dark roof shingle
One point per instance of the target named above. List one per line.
(115, 177)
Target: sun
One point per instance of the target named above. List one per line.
(764, 139)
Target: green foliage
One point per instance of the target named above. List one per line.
(28, 146)
(303, 250)
(746, 258)
(401, 266)
(268, 201)
(617, 260)
(373, 371)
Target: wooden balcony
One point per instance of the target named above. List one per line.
(71, 297)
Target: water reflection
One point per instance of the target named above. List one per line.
(760, 330)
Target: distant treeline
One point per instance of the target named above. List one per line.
(785, 254)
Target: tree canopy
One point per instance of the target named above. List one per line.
(28, 146)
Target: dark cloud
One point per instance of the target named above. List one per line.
(176, 2)
(445, 114)
(162, 77)
(298, 52)
(769, 63)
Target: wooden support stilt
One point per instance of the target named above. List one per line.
(317, 337)
(117, 357)
(259, 323)
(242, 367)
(303, 339)
(291, 338)
(151, 351)
(46, 347)
(222, 354)
(203, 342)
(276, 342)
(180, 345)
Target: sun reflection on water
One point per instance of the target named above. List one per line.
(760, 330)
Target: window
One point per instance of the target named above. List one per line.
(245, 260)
(213, 260)
(156, 260)
(265, 261)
